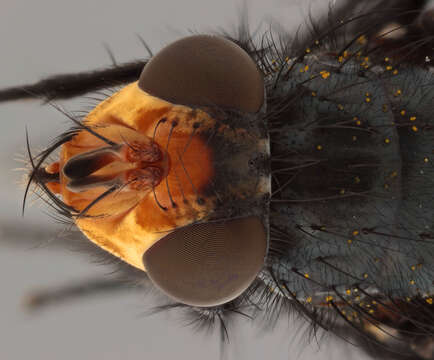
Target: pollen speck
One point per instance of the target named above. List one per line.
(325, 74)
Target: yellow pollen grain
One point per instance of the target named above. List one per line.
(371, 311)
(362, 40)
(319, 147)
(313, 93)
(345, 54)
(425, 160)
(368, 100)
(429, 300)
(387, 141)
(365, 276)
(325, 74)
(415, 128)
(308, 50)
(403, 112)
(355, 232)
(348, 291)
(340, 59)
(309, 299)
(412, 282)
(395, 72)
(388, 67)
(398, 92)
(306, 276)
(412, 118)
(349, 241)
(328, 298)
(413, 267)
(386, 59)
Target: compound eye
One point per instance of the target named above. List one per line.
(426, 20)
(208, 264)
(205, 70)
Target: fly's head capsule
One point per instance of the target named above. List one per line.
(171, 173)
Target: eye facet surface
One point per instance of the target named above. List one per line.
(205, 70)
(208, 264)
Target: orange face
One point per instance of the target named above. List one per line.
(157, 171)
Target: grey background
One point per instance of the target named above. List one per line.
(39, 38)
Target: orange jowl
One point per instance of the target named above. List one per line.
(171, 173)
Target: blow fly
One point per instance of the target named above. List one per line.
(253, 175)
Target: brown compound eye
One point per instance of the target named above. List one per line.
(205, 70)
(426, 20)
(208, 264)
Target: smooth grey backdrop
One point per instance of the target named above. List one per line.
(39, 38)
